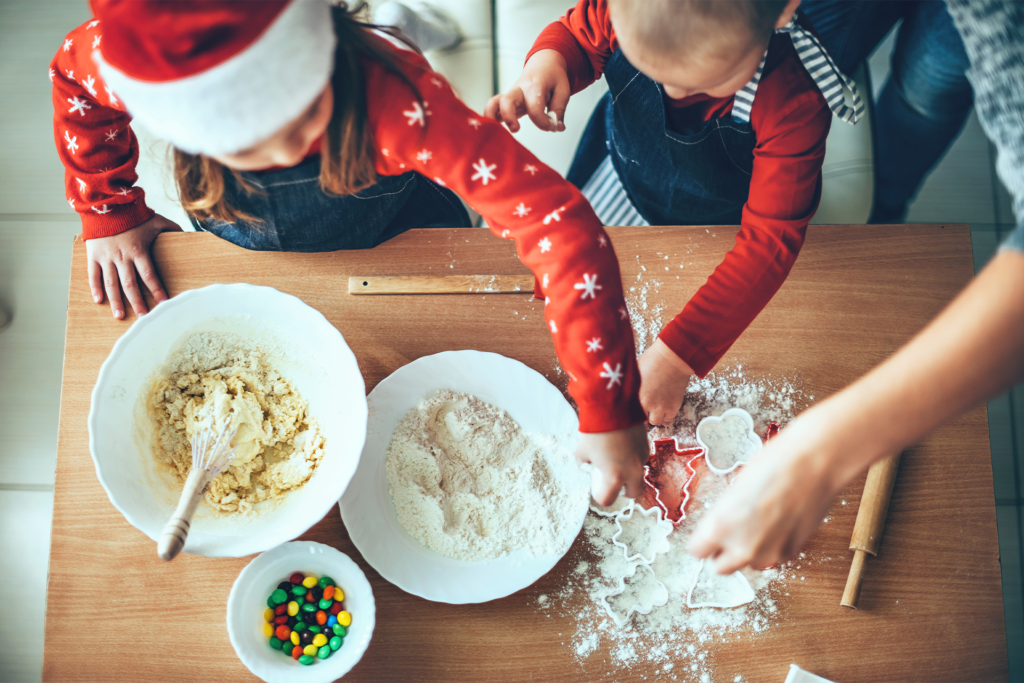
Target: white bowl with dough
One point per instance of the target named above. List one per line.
(369, 513)
(315, 359)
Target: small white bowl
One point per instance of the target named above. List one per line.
(369, 513)
(248, 601)
(318, 363)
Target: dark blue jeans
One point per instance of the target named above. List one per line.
(926, 100)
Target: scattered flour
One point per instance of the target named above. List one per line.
(469, 484)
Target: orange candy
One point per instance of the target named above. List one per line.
(283, 632)
(296, 652)
(321, 617)
(328, 592)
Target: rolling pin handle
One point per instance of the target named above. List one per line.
(852, 591)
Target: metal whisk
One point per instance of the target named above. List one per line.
(211, 453)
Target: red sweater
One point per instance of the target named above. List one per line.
(790, 119)
(556, 232)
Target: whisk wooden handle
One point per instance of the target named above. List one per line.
(173, 537)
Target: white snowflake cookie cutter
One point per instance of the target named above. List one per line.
(724, 449)
(657, 600)
(743, 592)
(627, 514)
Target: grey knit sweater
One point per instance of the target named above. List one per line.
(993, 32)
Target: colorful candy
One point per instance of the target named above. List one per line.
(306, 618)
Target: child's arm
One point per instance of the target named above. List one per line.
(785, 188)
(557, 236)
(567, 56)
(99, 152)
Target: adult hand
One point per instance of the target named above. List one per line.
(619, 458)
(664, 377)
(117, 262)
(542, 92)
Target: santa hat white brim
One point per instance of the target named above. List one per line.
(245, 99)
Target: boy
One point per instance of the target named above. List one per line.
(714, 115)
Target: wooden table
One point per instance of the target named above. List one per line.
(931, 607)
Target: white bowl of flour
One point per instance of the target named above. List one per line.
(484, 496)
(307, 351)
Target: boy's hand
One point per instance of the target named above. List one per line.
(542, 91)
(117, 262)
(619, 457)
(664, 377)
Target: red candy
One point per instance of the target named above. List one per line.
(297, 577)
(281, 619)
(321, 617)
(296, 652)
(283, 632)
(281, 609)
(335, 608)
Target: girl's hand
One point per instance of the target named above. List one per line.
(619, 458)
(114, 262)
(777, 500)
(664, 377)
(542, 91)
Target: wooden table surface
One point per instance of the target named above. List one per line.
(931, 606)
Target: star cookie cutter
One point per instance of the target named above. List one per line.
(666, 450)
(659, 522)
(717, 447)
(744, 595)
(660, 599)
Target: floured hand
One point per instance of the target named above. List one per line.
(618, 458)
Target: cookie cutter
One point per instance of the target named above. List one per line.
(620, 506)
(637, 608)
(653, 470)
(628, 515)
(712, 457)
(736, 577)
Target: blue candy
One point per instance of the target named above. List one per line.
(331, 621)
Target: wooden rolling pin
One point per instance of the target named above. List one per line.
(867, 531)
(441, 284)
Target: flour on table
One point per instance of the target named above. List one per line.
(470, 484)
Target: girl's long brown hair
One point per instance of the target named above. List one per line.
(347, 151)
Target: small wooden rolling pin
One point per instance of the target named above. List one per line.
(867, 531)
(441, 284)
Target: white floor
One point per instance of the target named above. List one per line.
(36, 229)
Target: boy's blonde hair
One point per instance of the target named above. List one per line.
(347, 153)
(679, 26)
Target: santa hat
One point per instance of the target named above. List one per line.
(215, 76)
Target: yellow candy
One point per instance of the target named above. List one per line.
(268, 615)
(339, 594)
(310, 650)
(319, 640)
(295, 637)
(309, 581)
(344, 618)
(268, 629)
(293, 608)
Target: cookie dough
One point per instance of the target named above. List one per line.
(220, 379)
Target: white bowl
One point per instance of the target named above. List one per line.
(367, 509)
(248, 600)
(320, 366)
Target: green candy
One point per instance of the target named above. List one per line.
(306, 659)
(325, 603)
(308, 607)
(279, 597)
(300, 601)
(335, 643)
(324, 652)
(299, 590)
(275, 642)
(315, 628)
(339, 630)
(326, 581)
(300, 626)
(270, 602)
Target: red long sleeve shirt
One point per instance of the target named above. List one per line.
(790, 119)
(556, 232)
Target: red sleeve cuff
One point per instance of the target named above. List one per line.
(559, 38)
(121, 217)
(699, 360)
(596, 418)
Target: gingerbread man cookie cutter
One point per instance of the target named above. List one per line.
(657, 599)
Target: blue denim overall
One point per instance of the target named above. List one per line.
(699, 177)
(296, 215)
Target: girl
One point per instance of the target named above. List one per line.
(297, 128)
